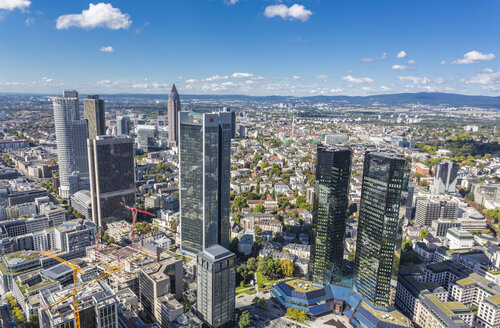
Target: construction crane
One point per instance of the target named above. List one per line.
(134, 217)
(73, 293)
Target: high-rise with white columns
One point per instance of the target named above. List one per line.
(71, 139)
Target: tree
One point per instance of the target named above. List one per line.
(296, 314)
(424, 233)
(258, 230)
(260, 302)
(353, 208)
(287, 267)
(237, 218)
(259, 208)
(245, 319)
(407, 245)
(239, 203)
(233, 246)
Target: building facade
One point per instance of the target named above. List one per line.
(445, 178)
(204, 160)
(112, 178)
(381, 214)
(93, 112)
(331, 197)
(216, 279)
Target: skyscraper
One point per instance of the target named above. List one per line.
(331, 196)
(216, 279)
(174, 107)
(112, 177)
(445, 178)
(93, 112)
(233, 121)
(382, 210)
(205, 172)
(71, 135)
(123, 125)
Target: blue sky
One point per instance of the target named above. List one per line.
(255, 47)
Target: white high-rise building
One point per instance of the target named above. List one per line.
(71, 137)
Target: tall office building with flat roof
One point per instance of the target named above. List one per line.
(381, 214)
(216, 279)
(331, 197)
(93, 112)
(174, 107)
(112, 177)
(123, 125)
(71, 136)
(205, 172)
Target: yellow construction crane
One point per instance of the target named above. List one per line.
(78, 289)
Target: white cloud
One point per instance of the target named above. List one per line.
(46, 79)
(30, 21)
(399, 67)
(358, 80)
(473, 57)
(322, 77)
(14, 4)
(325, 91)
(487, 76)
(411, 62)
(107, 49)
(238, 75)
(295, 77)
(367, 59)
(415, 79)
(217, 78)
(384, 56)
(401, 54)
(443, 62)
(293, 12)
(99, 15)
(231, 2)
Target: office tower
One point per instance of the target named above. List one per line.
(112, 178)
(160, 289)
(123, 125)
(216, 279)
(205, 165)
(174, 107)
(233, 121)
(445, 178)
(71, 135)
(162, 118)
(93, 112)
(331, 197)
(382, 210)
(429, 210)
(147, 136)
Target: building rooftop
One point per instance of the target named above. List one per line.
(217, 252)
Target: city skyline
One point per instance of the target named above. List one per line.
(295, 48)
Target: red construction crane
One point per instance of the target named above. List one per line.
(134, 217)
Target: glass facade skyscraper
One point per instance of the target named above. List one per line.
(112, 177)
(93, 112)
(382, 210)
(331, 196)
(204, 159)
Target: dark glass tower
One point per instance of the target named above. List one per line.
(205, 172)
(331, 193)
(112, 178)
(382, 210)
(93, 111)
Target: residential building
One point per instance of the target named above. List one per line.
(112, 178)
(204, 165)
(381, 214)
(458, 238)
(94, 114)
(441, 226)
(331, 198)
(431, 209)
(216, 279)
(81, 201)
